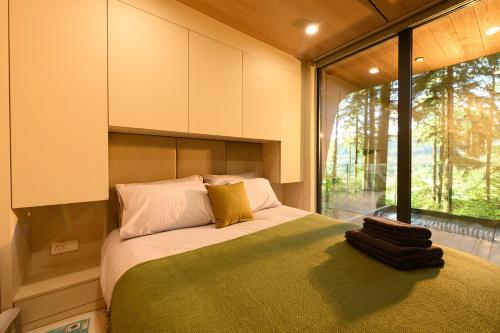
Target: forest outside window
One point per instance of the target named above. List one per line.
(455, 131)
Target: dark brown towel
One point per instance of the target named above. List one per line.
(397, 228)
(384, 251)
(399, 240)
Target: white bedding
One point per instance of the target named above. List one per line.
(119, 256)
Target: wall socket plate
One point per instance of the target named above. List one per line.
(63, 247)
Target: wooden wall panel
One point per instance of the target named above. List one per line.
(85, 222)
(200, 157)
(144, 158)
(148, 70)
(59, 119)
(243, 157)
(137, 159)
(140, 158)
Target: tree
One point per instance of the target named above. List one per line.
(383, 137)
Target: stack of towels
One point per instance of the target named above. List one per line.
(395, 243)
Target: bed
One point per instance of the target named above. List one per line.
(287, 271)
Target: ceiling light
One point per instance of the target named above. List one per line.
(312, 29)
(492, 30)
(419, 59)
(373, 70)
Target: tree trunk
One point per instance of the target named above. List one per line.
(365, 143)
(348, 167)
(371, 142)
(334, 175)
(356, 147)
(442, 149)
(489, 138)
(487, 172)
(434, 170)
(383, 138)
(450, 144)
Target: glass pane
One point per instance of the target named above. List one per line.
(359, 134)
(456, 127)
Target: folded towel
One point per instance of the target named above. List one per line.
(392, 249)
(386, 252)
(399, 240)
(397, 228)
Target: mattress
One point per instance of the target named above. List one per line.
(119, 256)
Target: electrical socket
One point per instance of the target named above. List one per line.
(63, 247)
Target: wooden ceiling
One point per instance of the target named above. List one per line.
(456, 38)
(281, 23)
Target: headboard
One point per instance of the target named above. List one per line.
(135, 158)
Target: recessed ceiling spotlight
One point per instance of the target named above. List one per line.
(312, 29)
(492, 30)
(373, 70)
(419, 59)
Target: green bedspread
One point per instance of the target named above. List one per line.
(302, 276)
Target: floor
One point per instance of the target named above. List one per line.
(98, 323)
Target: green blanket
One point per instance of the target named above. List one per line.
(301, 276)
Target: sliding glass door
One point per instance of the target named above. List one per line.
(358, 157)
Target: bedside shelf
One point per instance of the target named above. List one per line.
(60, 291)
(60, 276)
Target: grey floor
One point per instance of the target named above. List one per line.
(477, 239)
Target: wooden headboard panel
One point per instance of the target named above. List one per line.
(135, 158)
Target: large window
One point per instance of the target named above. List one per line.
(359, 133)
(456, 124)
(454, 133)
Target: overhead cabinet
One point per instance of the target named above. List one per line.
(291, 129)
(58, 101)
(263, 98)
(215, 87)
(148, 71)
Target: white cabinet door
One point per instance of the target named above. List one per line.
(59, 122)
(291, 129)
(215, 87)
(262, 98)
(148, 71)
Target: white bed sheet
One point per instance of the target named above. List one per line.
(119, 256)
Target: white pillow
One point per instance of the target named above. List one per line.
(260, 194)
(196, 179)
(149, 209)
(248, 175)
(225, 179)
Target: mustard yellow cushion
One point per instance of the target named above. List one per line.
(229, 204)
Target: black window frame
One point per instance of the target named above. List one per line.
(405, 59)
